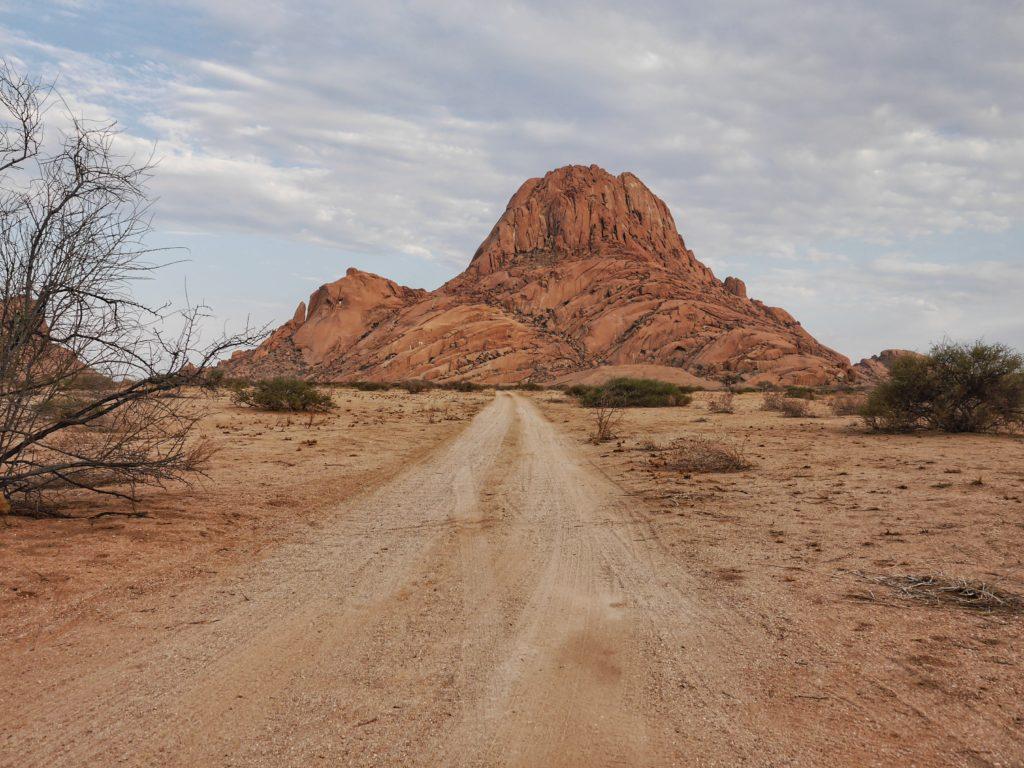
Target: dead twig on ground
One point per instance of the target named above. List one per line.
(946, 590)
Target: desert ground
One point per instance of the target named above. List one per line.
(446, 579)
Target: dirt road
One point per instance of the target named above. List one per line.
(494, 605)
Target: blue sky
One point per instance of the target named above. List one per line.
(859, 163)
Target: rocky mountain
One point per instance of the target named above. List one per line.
(584, 275)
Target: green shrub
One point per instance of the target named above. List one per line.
(630, 393)
(283, 394)
(974, 387)
(214, 378)
(236, 385)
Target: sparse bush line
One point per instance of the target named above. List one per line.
(463, 385)
(413, 386)
(800, 393)
(368, 386)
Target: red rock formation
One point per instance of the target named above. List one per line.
(874, 369)
(35, 354)
(584, 271)
(579, 211)
(339, 314)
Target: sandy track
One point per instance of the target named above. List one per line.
(499, 602)
(487, 607)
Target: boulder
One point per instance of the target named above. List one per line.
(736, 287)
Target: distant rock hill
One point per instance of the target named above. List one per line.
(875, 369)
(583, 276)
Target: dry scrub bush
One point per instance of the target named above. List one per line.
(606, 421)
(795, 409)
(848, 404)
(788, 406)
(700, 454)
(722, 403)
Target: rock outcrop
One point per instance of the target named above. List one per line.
(736, 287)
(584, 271)
(875, 369)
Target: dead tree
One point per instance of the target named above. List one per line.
(91, 379)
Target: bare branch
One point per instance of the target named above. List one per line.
(91, 379)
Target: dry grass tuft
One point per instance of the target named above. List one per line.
(700, 454)
(722, 403)
(946, 590)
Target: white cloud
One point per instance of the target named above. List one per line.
(777, 132)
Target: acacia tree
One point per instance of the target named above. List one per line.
(976, 387)
(91, 379)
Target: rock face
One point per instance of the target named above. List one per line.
(875, 369)
(584, 272)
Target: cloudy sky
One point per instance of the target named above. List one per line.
(858, 163)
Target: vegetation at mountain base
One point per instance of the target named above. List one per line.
(630, 393)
